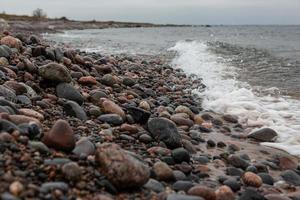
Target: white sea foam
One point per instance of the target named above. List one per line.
(224, 94)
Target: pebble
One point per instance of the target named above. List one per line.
(263, 135)
(113, 119)
(55, 72)
(224, 193)
(16, 188)
(266, 178)
(67, 91)
(60, 137)
(139, 115)
(72, 109)
(122, 170)
(163, 172)
(237, 161)
(154, 185)
(112, 108)
(202, 191)
(180, 155)
(291, 177)
(51, 186)
(182, 197)
(84, 147)
(182, 185)
(251, 179)
(71, 171)
(165, 130)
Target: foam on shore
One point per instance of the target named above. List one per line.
(224, 94)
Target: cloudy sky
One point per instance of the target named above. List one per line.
(166, 11)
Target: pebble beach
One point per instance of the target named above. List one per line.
(81, 125)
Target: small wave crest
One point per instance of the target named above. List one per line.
(227, 95)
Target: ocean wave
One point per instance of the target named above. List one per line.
(227, 95)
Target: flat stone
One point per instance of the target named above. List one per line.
(263, 135)
(55, 72)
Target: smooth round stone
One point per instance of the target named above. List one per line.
(182, 185)
(69, 92)
(291, 177)
(263, 135)
(51, 186)
(237, 161)
(113, 119)
(166, 131)
(182, 197)
(154, 185)
(74, 110)
(139, 115)
(250, 194)
(39, 146)
(145, 138)
(179, 175)
(128, 81)
(233, 184)
(7, 126)
(232, 171)
(251, 169)
(202, 159)
(22, 99)
(72, 171)
(180, 155)
(266, 178)
(84, 147)
(108, 80)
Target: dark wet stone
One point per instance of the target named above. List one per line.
(179, 175)
(128, 82)
(31, 130)
(182, 197)
(233, 184)
(202, 159)
(237, 161)
(139, 115)
(154, 185)
(50, 186)
(266, 178)
(291, 177)
(252, 168)
(230, 118)
(108, 80)
(263, 135)
(7, 126)
(165, 130)
(232, 171)
(180, 155)
(96, 95)
(38, 51)
(74, 110)
(67, 91)
(113, 119)
(168, 159)
(145, 138)
(251, 194)
(182, 185)
(211, 144)
(5, 51)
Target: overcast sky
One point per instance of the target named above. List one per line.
(166, 11)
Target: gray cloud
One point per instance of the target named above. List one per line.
(166, 11)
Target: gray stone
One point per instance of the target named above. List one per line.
(154, 185)
(165, 130)
(113, 119)
(55, 72)
(74, 110)
(67, 91)
(263, 135)
(291, 177)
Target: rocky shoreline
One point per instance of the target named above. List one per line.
(78, 125)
